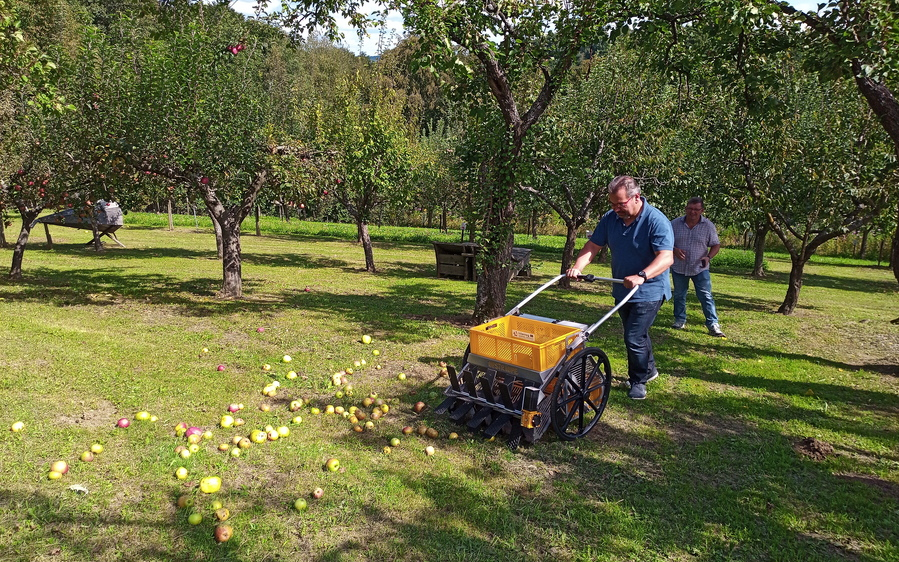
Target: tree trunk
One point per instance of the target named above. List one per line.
(219, 242)
(568, 253)
(443, 226)
(3, 242)
(98, 244)
(758, 270)
(794, 285)
(534, 220)
(256, 211)
(493, 279)
(863, 248)
(894, 252)
(430, 217)
(171, 218)
(15, 270)
(366, 246)
(232, 280)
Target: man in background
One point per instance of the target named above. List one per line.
(695, 244)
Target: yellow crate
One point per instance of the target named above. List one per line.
(523, 342)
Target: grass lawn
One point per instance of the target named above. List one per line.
(778, 443)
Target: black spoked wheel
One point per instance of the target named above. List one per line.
(580, 393)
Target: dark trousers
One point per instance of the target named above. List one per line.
(637, 318)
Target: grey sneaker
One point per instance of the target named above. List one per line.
(653, 376)
(637, 392)
(679, 325)
(715, 330)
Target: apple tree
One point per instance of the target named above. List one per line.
(202, 113)
(809, 157)
(520, 55)
(612, 119)
(364, 126)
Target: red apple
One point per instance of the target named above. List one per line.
(418, 407)
(204, 180)
(123, 423)
(318, 493)
(59, 466)
(220, 368)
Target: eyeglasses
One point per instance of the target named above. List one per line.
(621, 204)
(698, 209)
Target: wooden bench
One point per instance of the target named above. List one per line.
(458, 260)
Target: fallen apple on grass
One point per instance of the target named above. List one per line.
(429, 450)
(220, 368)
(17, 427)
(418, 407)
(210, 484)
(123, 423)
(301, 504)
(318, 493)
(87, 456)
(181, 473)
(223, 533)
(366, 339)
(332, 464)
(96, 448)
(195, 518)
(59, 466)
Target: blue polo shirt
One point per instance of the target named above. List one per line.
(633, 248)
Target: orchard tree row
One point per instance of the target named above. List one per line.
(496, 112)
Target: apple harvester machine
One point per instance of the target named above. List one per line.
(523, 373)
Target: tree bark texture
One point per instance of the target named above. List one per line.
(793, 286)
(18, 253)
(758, 269)
(232, 279)
(366, 246)
(219, 243)
(568, 253)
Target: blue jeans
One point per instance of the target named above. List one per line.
(702, 282)
(637, 318)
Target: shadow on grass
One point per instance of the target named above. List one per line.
(57, 528)
(729, 492)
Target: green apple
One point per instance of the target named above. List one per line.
(366, 339)
(301, 504)
(17, 427)
(332, 464)
(195, 518)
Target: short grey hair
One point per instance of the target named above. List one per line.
(628, 183)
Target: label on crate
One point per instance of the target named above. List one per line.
(518, 334)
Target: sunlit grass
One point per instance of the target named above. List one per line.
(704, 469)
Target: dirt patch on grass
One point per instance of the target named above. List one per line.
(813, 448)
(103, 414)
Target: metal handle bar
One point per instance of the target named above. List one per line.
(588, 278)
